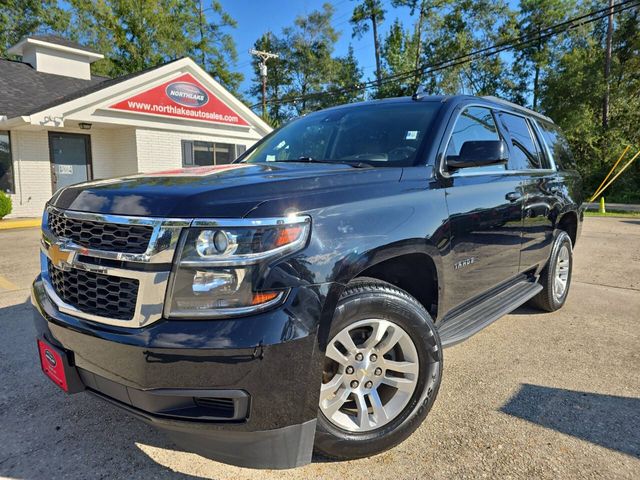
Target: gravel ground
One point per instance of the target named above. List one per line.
(532, 396)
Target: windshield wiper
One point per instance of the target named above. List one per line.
(344, 162)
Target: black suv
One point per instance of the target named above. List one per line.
(300, 298)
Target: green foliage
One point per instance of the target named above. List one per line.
(5, 205)
(139, 34)
(19, 18)
(572, 94)
(369, 12)
(307, 68)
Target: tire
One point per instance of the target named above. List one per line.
(399, 315)
(549, 300)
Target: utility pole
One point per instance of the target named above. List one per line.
(263, 56)
(607, 67)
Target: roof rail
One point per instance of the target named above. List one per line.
(517, 107)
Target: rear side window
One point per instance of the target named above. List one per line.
(558, 146)
(525, 153)
(474, 123)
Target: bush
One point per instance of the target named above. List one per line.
(5, 205)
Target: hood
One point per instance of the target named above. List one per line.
(224, 191)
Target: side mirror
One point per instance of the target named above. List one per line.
(479, 153)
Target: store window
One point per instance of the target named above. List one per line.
(196, 153)
(6, 165)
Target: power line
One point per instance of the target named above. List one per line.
(517, 42)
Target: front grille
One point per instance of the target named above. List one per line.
(113, 237)
(95, 293)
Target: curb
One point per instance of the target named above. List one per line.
(618, 207)
(12, 223)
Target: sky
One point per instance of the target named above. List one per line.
(256, 17)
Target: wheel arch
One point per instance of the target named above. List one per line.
(387, 263)
(568, 222)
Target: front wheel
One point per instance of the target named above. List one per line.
(382, 371)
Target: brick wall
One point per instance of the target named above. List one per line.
(115, 152)
(162, 150)
(31, 172)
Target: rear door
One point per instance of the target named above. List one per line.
(539, 187)
(485, 213)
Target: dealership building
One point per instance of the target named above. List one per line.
(61, 125)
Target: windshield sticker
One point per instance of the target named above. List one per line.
(271, 158)
(411, 135)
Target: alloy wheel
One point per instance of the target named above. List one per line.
(370, 374)
(562, 270)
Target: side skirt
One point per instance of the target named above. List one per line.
(463, 324)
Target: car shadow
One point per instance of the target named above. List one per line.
(606, 420)
(632, 222)
(48, 434)
(526, 310)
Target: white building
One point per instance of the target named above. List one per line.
(60, 125)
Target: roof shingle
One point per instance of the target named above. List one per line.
(23, 89)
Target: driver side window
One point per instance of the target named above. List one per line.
(474, 124)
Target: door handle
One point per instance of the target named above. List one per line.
(513, 196)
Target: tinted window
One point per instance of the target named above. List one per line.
(382, 134)
(474, 123)
(558, 145)
(6, 165)
(197, 153)
(524, 154)
(203, 154)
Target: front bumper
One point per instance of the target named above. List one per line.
(266, 366)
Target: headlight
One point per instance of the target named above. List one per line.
(218, 264)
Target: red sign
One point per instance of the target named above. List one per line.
(182, 97)
(52, 366)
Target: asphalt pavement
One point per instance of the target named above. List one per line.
(535, 395)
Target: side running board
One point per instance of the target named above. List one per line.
(463, 325)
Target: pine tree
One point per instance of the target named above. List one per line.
(365, 13)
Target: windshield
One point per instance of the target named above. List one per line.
(378, 134)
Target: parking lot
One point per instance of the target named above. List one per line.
(532, 396)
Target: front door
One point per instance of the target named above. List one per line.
(485, 214)
(70, 155)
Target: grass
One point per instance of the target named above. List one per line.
(592, 213)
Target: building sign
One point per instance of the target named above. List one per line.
(182, 97)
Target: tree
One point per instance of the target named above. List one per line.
(398, 54)
(462, 28)
(309, 47)
(19, 18)
(369, 11)
(538, 56)
(572, 93)
(423, 9)
(346, 77)
(139, 34)
(278, 77)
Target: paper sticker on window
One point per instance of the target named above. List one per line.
(271, 158)
(411, 135)
(65, 169)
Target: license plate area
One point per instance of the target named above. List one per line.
(55, 364)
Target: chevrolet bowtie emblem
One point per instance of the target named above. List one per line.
(58, 257)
